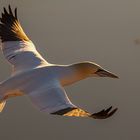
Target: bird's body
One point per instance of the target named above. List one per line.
(36, 78)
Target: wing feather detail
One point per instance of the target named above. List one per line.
(10, 28)
(51, 98)
(17, 48)
(77, 112)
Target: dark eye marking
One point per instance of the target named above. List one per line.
(11, 57)
(99, 70)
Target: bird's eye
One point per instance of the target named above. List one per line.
(99, 70)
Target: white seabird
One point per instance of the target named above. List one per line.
(41, 81)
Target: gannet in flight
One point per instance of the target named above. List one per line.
(41, 81)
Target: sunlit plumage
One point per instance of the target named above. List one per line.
(36, 78)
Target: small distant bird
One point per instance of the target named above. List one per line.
(137, 41)
(41, 81)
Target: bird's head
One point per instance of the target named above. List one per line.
(91, 69)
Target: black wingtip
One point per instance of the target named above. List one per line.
(104, 114)
(5, 11)
(10, 10)
(10, 28)
(16, 13)
(112, 112)
(107, 110)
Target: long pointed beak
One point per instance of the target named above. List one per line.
(105, 73)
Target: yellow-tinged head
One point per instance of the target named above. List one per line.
(88, 69)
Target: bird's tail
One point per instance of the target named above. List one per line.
(2, 105)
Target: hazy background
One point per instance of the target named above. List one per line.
(67, 31)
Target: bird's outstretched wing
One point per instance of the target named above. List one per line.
(54, 100)
(78, 112)
(17, 48)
